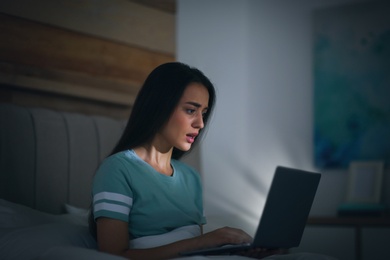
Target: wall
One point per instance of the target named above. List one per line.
(88, 56)
(258, 54)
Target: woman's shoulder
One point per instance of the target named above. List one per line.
(184, 167)
(127, 156)
(118, 162)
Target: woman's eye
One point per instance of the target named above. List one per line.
(190, 111)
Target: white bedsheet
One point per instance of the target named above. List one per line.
(170, 237)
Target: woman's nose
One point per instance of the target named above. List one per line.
(199, 123)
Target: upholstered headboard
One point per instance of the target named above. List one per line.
(48, 158)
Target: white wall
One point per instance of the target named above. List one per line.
(258, 55)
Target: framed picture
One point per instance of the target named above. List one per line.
(365, 181)
(351, 70)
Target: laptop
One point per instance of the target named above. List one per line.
(285, 213)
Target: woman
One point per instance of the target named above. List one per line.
(142, 191)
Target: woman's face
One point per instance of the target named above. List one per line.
(187, 119)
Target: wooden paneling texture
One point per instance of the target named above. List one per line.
(134, 23)
(60, 68)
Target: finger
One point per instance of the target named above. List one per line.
(239, 235)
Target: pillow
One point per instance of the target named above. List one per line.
(14, 215)
(31, 242)
(76, 211)
(75, 215)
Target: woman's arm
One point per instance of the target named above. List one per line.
(113, 237)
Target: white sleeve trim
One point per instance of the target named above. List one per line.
(113, 197)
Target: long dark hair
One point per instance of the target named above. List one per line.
(156, 102)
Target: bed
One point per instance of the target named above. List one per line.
(47, 161)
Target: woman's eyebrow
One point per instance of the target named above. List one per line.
(194, 104)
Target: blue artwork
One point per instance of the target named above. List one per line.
(352, 84)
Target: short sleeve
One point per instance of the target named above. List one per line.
(111, 192)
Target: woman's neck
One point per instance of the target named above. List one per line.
(160, 161)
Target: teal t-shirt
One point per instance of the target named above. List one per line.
(127, 188)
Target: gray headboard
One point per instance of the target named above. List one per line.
(48, 158)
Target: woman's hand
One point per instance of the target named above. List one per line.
(223, 236)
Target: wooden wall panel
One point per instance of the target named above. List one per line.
(58, 62)
(127, 21)
(61, 102)
(39, 45)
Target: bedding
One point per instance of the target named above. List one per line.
(26, 233)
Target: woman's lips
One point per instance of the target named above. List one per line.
(190, 138)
